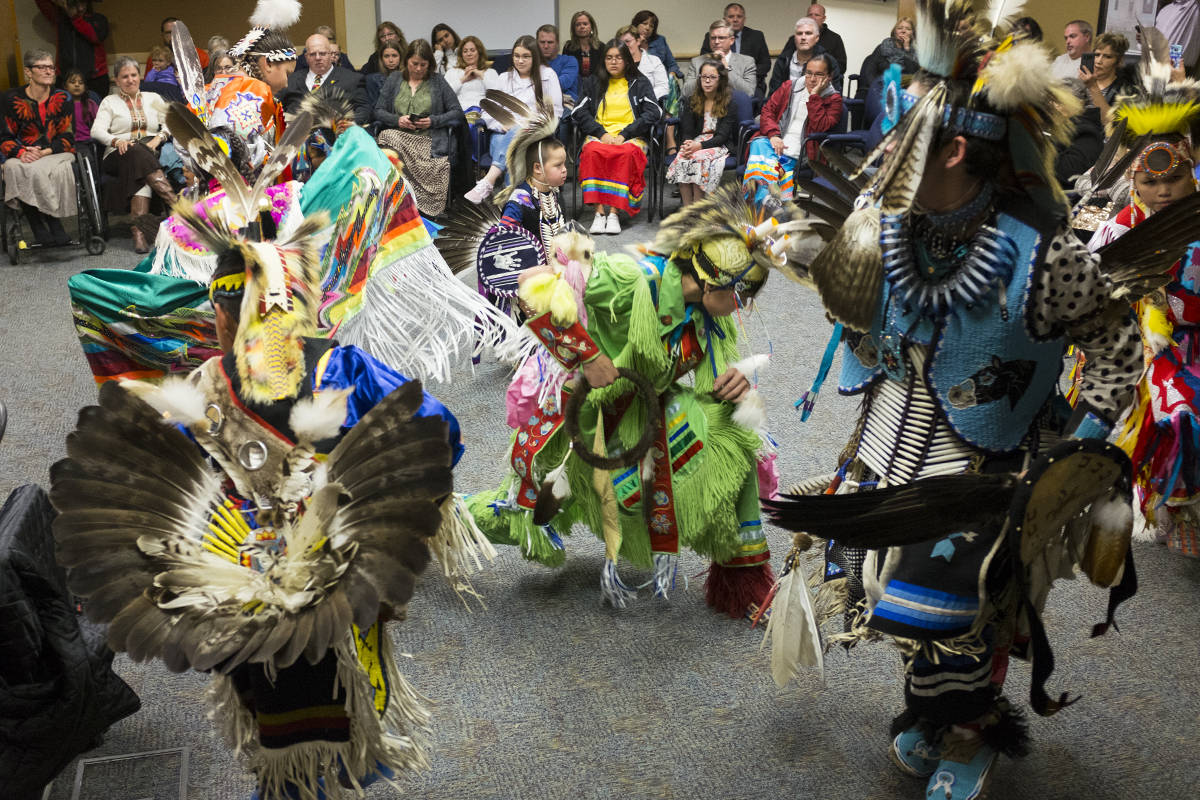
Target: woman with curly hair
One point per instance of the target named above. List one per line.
(707, 125)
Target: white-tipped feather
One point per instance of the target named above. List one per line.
(792, 629)
(1019, 76)
(177, 399)
(999, 10)
(276, 13)
(320, 416)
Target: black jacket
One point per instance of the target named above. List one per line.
(58, 691)
(754, 44)
(1081, 154)
(691, 125)
(347, 80)
(595, 65)
(444, 110)
(782, 70)
(646, 110)
(830, 42)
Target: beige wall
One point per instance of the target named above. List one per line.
(862, 24)
(1053, 16)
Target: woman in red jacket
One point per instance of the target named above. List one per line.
(791, 114)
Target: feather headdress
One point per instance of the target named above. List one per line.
(1165, 108)
(535, 124)
(731, 239)
(265, 38)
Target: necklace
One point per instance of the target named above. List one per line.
(944, 234)
(942, 286)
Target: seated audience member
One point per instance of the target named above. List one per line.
(1077, 36)
(741, 68)
(129, 123)
(81, 34)
(617, 112)
(391, 59)
(418, 109)
(162, 66)
(531, 82)
(342, 60)
(805, 44)
(646, 25)
(831, 42)
(747, 42)
(1179, 21)
(84, 104)
(445, 48)
(386, 32)
(165, 29)
(584, 45)
(322, 71)
(1109, 79)
(219, 63)
(564, 66)
(1080, 155)
(647, 64)
(37, 149)
(794, 110)
(707, 127)
(467, 79)
(897, 48)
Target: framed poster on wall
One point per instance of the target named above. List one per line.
(1123, 16)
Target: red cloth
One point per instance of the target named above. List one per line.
(823, 114)
(613, 175)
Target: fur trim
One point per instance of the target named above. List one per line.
(1114, 512)
(177, 399)
(320, 416)
(752, 364)
(1018, 76)
(276, 13)
(751, 412)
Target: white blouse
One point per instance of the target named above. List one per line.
(113, 120)
(522, 89)
(656, 72)
(469, 92)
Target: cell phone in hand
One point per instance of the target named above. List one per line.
(1176, 55)
(1087, 62)
(417, 116)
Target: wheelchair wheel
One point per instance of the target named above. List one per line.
(95, 245)
(89, 197)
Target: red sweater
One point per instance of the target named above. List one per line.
(27, 123)
(823, 114)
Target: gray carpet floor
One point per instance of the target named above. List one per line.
(544, 693)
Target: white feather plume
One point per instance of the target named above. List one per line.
(752, 364)
(1000, 10)
(1020, 76)
(320, 416)
(276, 13)
(792, 630)
(177, 399)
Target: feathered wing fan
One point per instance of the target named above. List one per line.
(1138, 262)
(191, 74)
(329, 107)
(149, 540)
(191, 134)
(916, 512)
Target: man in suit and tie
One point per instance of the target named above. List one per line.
(741, 67)
(322, 71)
(746, 42)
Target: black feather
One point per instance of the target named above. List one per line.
(915, 512)
(1139, 260)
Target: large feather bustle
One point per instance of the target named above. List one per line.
(192, 135)
(329, 107)
(1163, 106)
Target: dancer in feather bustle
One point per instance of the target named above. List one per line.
(957, 287)
(661, 465)
(1162, 433)
(263, 518)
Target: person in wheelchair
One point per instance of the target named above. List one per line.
(37, 147)
(129, 124)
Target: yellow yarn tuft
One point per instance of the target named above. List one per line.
(1157, 118)
(548, 291)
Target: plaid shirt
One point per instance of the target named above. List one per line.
(27, 123)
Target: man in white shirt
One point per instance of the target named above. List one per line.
(1078, 38)
(741, 68)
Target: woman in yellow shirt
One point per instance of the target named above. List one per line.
(616, 113)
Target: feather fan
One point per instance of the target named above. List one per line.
(189, 71)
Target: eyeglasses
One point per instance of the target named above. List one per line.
(710, 77)
(318, 53)
(808, 74)
(719, 38)
(41, 66)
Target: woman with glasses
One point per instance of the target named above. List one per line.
(616, 112)
(531, 82)
(707, 123)
(37, 142)
(794, 110)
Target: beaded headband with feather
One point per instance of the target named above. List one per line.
(270, 16)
